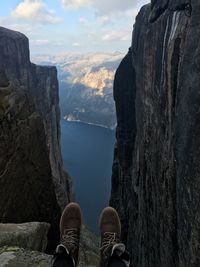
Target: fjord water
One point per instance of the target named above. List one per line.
(88, 154)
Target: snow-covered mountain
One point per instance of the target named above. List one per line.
(86, 85)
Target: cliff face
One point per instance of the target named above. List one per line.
(33, 185)
(156, 175)
(44, 88)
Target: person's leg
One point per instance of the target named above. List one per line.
(116, 263)
(62, 262)
(119, 261)
(62, 259)
(113, 252)
(67, 251)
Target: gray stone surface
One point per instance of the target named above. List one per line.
(19, 252)
(89, 248)
(31, 236)
(19, 257)
(157, 193)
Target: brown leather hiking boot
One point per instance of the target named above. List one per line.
(70, 228)
(111, 246)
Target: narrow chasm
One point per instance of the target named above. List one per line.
(102, 128)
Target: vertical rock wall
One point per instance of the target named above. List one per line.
(33, 185)
(159, 199)
(44, 89)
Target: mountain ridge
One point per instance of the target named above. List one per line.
(86, 85)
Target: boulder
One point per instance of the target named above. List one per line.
(31, 236)
(19, 242)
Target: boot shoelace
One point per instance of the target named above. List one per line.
(109, 240)
(70, 239)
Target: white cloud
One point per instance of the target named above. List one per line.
(74, 4)
(103, 7)
(41, 42)
(113, 6)
(25, 28)
(35, 10)
(2, 20)
(92, 35)
(83, 21)
(113, 36)
(103, 20)
(131, 13)
(76, 44)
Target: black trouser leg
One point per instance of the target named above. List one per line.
(63, 263)
(63, 260)
(116, 262)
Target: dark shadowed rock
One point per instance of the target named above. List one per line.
(24, 164)
(126, 129)
(159, 198)
(14, 56)
(45, 94)
(33, 185)
(4, 82)
(157, 8)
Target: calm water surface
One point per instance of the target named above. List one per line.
(87, 154)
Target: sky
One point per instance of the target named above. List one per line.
(60, 26)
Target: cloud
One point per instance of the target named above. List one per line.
(2, 20)
(41, 42)
(35, 10)
(113, 6)
(115, 36)
(83, 21)
(26, 28)
(92, 35)
(76, 44)
(103, 7)
(75, 4)
(103, 20)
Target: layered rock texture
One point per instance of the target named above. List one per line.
(156, 171)
(33, 185)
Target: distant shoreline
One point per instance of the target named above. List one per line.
(89, 123)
